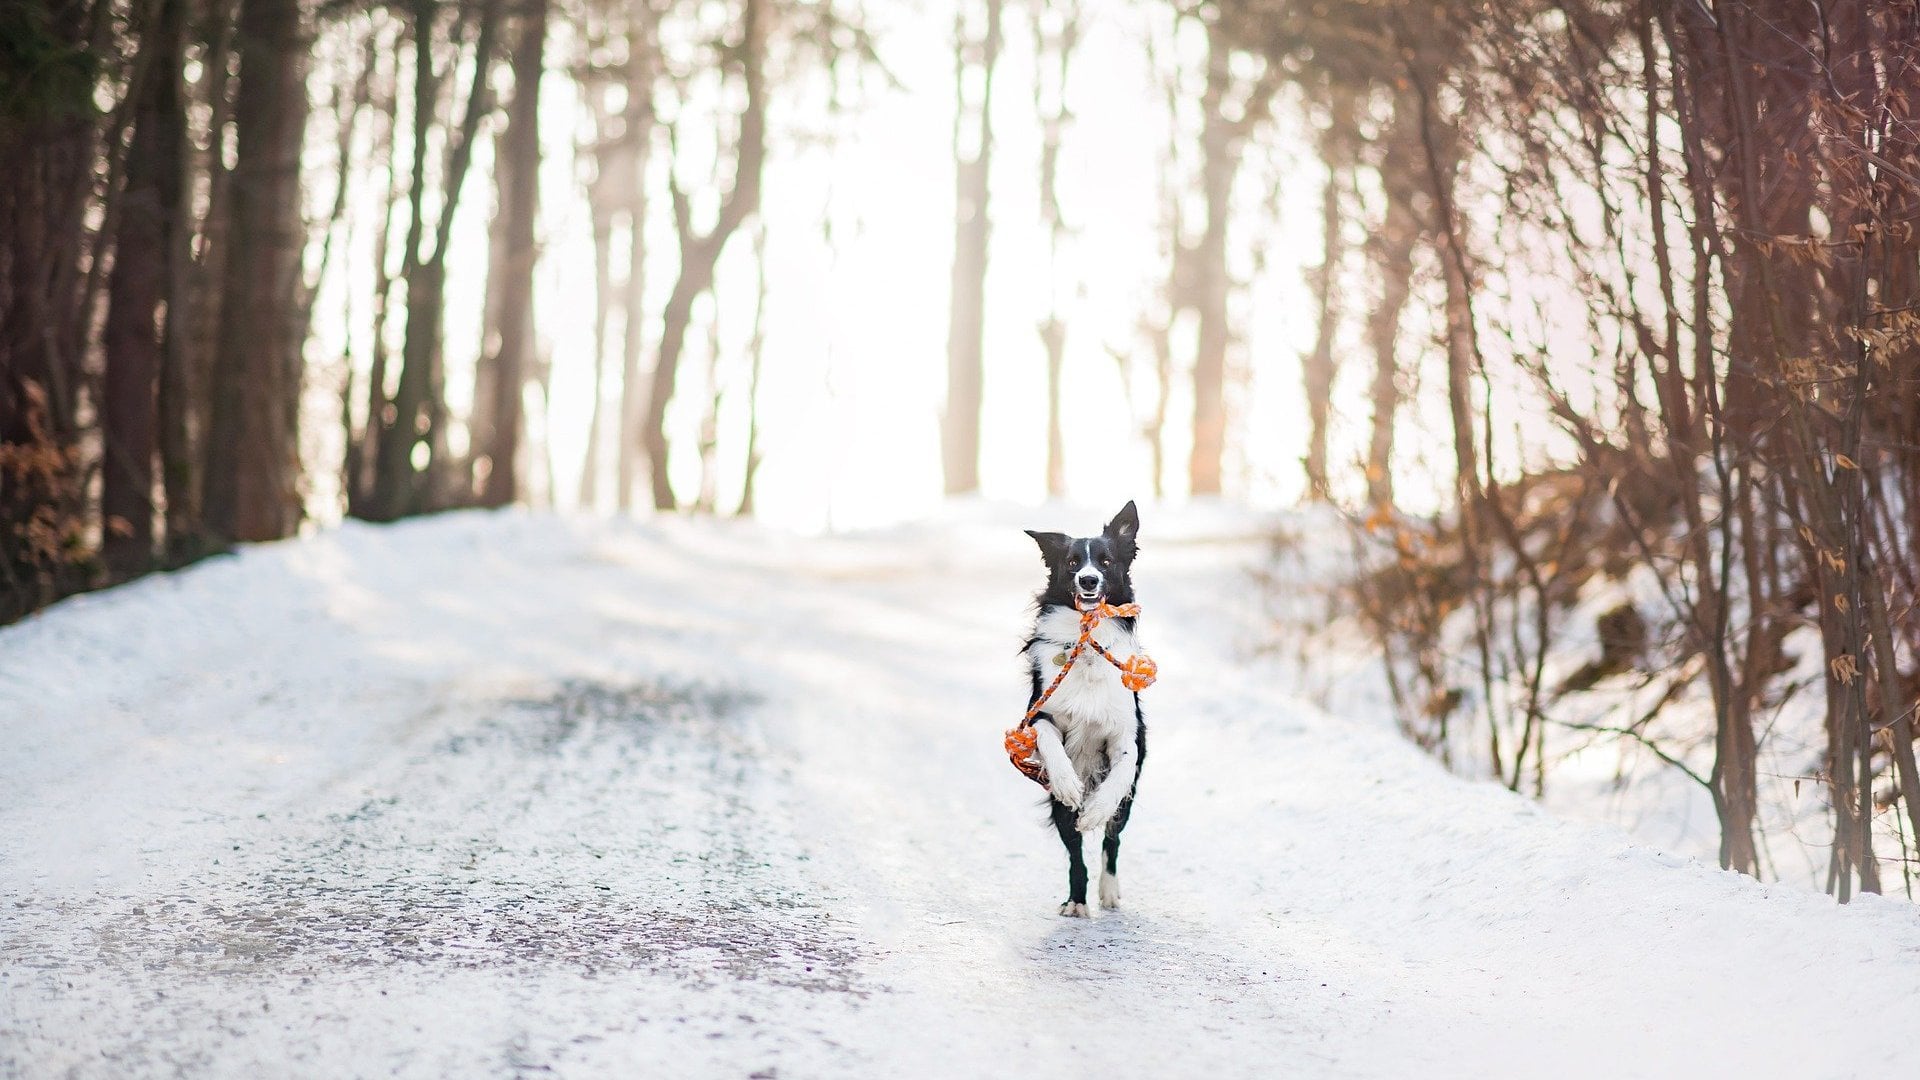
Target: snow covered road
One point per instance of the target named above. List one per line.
(490, 794)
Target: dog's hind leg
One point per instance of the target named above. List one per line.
(1063, 822)
(1104, 800)
(1110, 843)
(1110, 856)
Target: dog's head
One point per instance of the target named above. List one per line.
(1087, 570)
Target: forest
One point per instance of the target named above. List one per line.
(1593, 323)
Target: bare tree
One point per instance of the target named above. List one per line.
(1319, 368)
(603, 204)
(1230, 113)
(700, 250)
(49, 117)
(1391, 249)
(142, 282)
(253, 464)
(756, 350)
(1056, 32)
(636, 142)
(519, 204)
(1743, 449)
(413, 422)
(975, 56)
(616, 203)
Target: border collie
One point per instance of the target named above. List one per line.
(1092, 737)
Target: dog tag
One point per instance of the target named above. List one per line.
(1060, 659)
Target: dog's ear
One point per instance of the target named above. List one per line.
(1053, 546)
(1124, 529)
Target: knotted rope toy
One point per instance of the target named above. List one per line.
(1136, 674)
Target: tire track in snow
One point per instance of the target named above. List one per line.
(599, 831)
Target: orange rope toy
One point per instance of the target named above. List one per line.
(1136, 674)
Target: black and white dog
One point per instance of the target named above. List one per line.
(1092, 737)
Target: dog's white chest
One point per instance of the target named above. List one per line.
(1091, 693)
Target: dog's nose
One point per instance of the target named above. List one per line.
(1089, 582)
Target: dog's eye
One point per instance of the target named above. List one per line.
(1104, 561)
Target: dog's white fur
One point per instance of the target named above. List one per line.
(1093, 722)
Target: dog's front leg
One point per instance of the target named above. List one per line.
(1062, 782)
(1105, 799)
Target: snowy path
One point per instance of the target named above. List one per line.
(484, 795)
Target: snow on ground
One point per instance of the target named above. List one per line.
(486, 794)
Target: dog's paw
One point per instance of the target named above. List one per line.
(1068, 792)
(1073, 911)
(1094, 817)
(1109, 891)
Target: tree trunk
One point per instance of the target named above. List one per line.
(673, 335)
(602, 302)
(1050, 103)
(708, 499)
(520, 203)
(362, 457)
(253, 463)
(637, 140)
(756, 348)
(1209, 283)
(398, 477)
(1053, 338)
(1317, 372)
(967, 312)
(486, 367)
(1392, 261)
(49, 130)
(415, 418)
(1162, 399)
(142, 282)
(1439, 152)
(632, 341)
(193, 312)
(700, 252)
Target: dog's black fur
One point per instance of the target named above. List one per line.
(1112, 552)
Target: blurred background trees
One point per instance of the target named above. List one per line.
(1685, 234)
(1593, 322)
